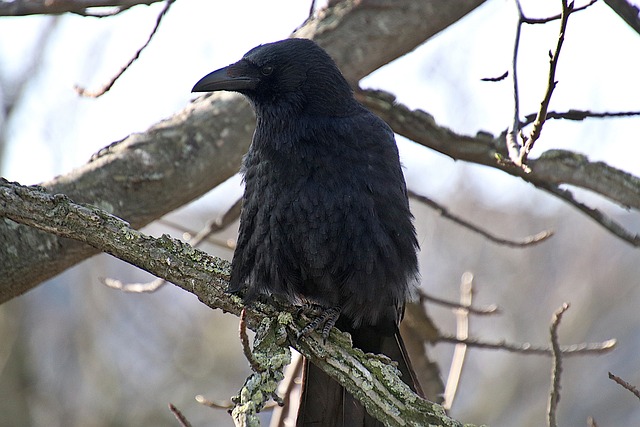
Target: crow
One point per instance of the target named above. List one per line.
(325, 219)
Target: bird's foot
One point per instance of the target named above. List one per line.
(327, 317)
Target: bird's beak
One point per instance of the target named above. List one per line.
(235, 77)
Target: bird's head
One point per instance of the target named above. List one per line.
(296, 75)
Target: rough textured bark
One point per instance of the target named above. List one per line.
(177, 160)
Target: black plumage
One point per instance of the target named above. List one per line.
(325, 217)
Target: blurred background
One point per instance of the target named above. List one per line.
(74, 352)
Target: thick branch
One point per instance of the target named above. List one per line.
(57, 7)
(385, 396)
(627, 11)
(149, 174)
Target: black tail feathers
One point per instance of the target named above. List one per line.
(325, 403)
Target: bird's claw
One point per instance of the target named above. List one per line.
(327, 317)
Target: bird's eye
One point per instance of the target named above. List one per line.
(266, 70)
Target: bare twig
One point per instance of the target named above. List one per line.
(513, 146)
(492, 309)
(625, 384)
(246, 348)
(518, 145)
(527, 20)
(496, 79)
(105, 88)
(462, 333)
(226, 405)
(179, 416)
(554, 395)
(526, 148)
(579, 115)
(444, 212)
(218, 224)
(527, 348)
(189, 234)
(602, 219)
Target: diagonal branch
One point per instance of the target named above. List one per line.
(444, 212)
(385, 396)
(627, 11)
(608, 223)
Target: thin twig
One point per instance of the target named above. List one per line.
(625, 384)
(226, 405)
(527, 348)
(579, 115)
(188, 233)
(246, 348)
(513, 146)
(602, 219)
(555, 17)
(444, 212)
(554, 395)
(181, 418)
(495, 79)
(104, 89)
(462, 333)
(534, 135)
(218, 224)
(518, 145)
(486, 311)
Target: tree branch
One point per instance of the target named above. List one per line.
(627, 11)
(551, 169)
(386, 396)
(57, 7)
(444, 212)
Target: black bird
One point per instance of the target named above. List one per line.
(325, 218)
